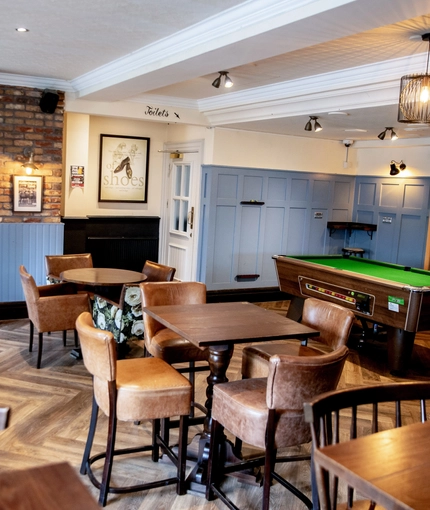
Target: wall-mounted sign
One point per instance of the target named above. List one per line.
(76, 176)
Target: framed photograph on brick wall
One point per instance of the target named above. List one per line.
(27, 193)
(124, 162)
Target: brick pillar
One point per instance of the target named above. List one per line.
(23, 124)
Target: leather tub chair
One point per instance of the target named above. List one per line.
(51, 308)
(267, 413)
(334, 322)
(56, 264)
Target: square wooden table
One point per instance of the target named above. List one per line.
(219, 326)
(49, 487)
(389, 467)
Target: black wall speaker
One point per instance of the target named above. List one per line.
(48, 101)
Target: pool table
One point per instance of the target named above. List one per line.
(389, 294)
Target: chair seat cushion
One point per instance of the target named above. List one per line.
(240, 406)
(172, 348)
(255, 358)
(148, 388)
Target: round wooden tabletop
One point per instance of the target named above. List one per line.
(96, 276)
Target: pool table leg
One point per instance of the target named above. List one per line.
(400, 347)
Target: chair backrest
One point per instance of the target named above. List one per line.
(333, 321)
(156, 272)
(347, 413)
(56, 264)
(293, 380)
(31, 292)
(98, 349)
(169, 293)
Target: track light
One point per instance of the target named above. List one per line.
(317, 125)
(393, 136)
(394, 169)
(228, 82)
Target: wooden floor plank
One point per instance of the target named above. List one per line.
(50, 411)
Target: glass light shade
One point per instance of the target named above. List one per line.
(414, 103)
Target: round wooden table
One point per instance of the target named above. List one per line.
(101, 280)
(102, 276)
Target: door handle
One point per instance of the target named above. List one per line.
(190, 218)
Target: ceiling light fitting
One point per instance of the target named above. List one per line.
(317, 125)
(414, 98)
(29, 167)
(393, 136)
(394, 169)
(227, 80)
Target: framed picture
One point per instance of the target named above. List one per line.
(27, 193)
(124, 162)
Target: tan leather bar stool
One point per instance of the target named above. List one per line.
(134, 389)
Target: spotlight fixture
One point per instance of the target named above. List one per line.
(394, 169)
(414, 98)
(29, 167)
(393, 136)
(317, 125)
(228, 82)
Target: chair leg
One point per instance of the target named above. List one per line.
(107, 468)
(182, 455)
(214, 459)
(90, 438)
(30, 346)
(192, 379)
(269, 458)
(64, 338)
(155, 447)
(76, 338)
(39, 353)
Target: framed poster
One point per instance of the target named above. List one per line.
(27, 193)
(124, 162)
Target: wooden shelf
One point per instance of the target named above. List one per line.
(350, 226)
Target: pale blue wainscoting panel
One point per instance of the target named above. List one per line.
(27, 244)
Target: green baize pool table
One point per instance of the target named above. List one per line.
(395, 296)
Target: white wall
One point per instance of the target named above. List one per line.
(374, 158)
(264, 150)
(82, 147)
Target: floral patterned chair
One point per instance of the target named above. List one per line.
(124, 319)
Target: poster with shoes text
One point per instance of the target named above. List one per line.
(124, 162)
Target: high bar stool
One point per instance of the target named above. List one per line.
(134, 389)
(346, 252)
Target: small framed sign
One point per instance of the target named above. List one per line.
(27, 193)
(124, 162)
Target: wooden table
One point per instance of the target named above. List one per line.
(107, 282)
(51, 487)
(219, 326)
(102, 276)
(389, 467)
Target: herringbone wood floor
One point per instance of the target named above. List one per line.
(51, 407)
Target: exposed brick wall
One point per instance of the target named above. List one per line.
(23, 124)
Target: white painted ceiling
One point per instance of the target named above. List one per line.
(289, 59)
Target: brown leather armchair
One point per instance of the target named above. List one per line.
(334, 322)
(267, 413)
(135, 389)
(56, 264)
(51, 308)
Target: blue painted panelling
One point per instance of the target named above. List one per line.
(27, 244)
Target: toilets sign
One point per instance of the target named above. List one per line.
(124, 162)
